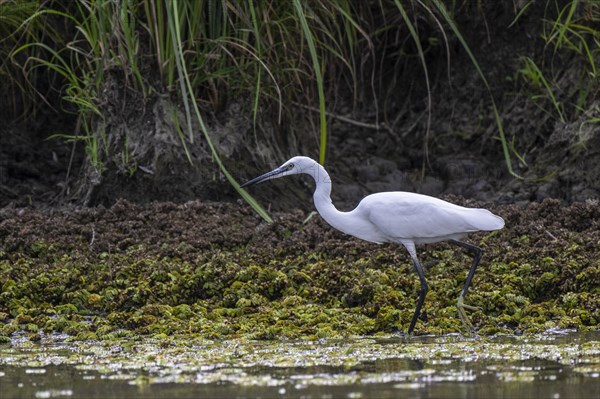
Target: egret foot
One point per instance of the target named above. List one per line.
(399, 333)
(460, 306)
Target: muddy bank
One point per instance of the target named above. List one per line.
(216, 270)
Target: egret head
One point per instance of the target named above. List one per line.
(293, 166)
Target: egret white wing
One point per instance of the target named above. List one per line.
(400, 215)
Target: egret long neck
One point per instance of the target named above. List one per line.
(322, 199)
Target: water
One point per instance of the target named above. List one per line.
(558, 364)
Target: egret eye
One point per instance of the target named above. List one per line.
(290, 166)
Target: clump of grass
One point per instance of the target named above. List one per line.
(570, 31)
(205, 52)
(531, 72)
(271, 55)
(19, 25)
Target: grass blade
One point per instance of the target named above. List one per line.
(504, 142)
(308, 35)
(415, 36)
(187, 87)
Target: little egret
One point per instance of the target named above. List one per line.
(398, 217)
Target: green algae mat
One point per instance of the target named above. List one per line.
(216, 271)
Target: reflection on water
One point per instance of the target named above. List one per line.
(554, 365)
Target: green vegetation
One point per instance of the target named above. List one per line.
(269, 57)
(573, 32)
(285, 280)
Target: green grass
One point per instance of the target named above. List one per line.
(316, 62)
(534, 75)
(269, 56)
(578, 34)
(571, 35)
(19, 25)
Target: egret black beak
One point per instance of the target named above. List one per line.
(266, 176)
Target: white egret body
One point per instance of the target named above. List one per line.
(397, 217)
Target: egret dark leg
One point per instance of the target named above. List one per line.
(460, 306)
(422, 292)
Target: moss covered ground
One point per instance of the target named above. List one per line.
(215, 270)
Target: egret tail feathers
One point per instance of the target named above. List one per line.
(486, 220)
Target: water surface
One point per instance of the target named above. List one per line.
(557, 364)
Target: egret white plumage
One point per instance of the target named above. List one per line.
(406, 218)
